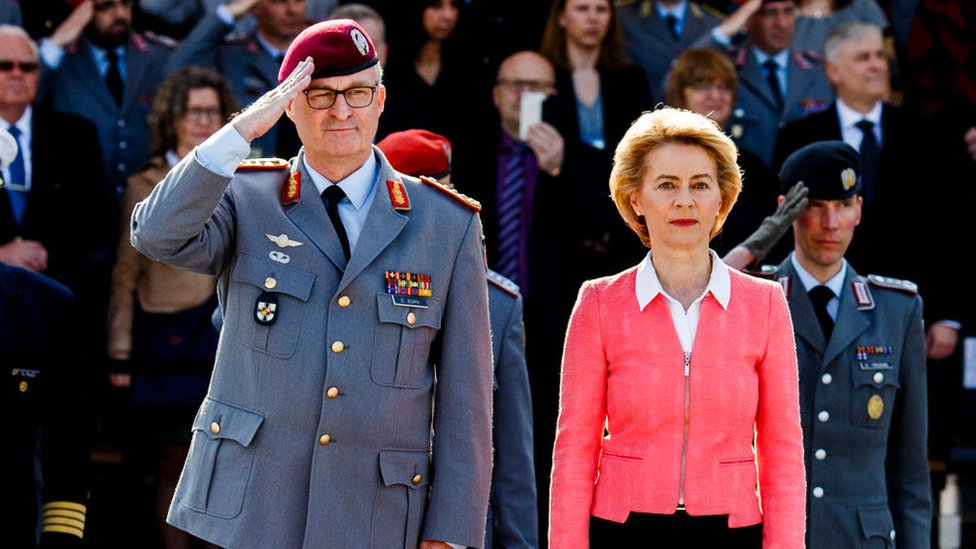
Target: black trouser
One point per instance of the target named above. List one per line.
(677, 530)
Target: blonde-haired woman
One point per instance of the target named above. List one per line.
(679, 379)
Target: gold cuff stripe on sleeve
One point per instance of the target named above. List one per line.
(64, 514)
(70, 505)
(59, 521)
(80, 534)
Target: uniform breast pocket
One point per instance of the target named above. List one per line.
(219, 463)
(271, 299)
(25, 391)
(402, 342)
(873, 397)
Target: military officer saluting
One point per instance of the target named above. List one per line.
(861, 350)
(346, 288)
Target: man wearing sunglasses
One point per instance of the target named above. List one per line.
(353, 297)
(54, 182)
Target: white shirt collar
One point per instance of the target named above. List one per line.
(356, 185)
(172, 158)
(782, 58)
(836, 283)
(678, 10)
(23, 124)
(648, 285)
(849, 117)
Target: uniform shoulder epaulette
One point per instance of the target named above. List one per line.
(466, 200)
(237, 38)
(263, 164)
(503, 283)
(160, 39)
(699, 10)
(906, 286)
(806, 60)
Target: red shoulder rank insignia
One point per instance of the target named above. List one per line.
(139, 42)
(894, 284)
(466, 200)
(263, 164)
(398, 195)
(292, 191)
(787, 284)
(862, 295)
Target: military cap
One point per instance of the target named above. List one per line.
(418, 152)
(830, 169)
(337, 47)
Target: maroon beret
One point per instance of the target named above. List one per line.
(418, 152)
(337, 47)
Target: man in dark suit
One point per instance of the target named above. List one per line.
(249, 62)
(857, 67)
(54, 185)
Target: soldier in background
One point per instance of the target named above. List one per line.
(861, 348)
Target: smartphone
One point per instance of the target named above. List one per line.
(530, 111)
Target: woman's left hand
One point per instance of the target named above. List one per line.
(548, 146)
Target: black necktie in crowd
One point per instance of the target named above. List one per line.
(331, 196)
(820, 296)
(772, 77)
(113, 78)
(672, 22)
(870, 160)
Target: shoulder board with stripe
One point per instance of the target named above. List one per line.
(263, 164)
(806, 60)
(160, 39)
(466, 200)
(503, 283)
(906, 286)
(699, 11)
(64, 517)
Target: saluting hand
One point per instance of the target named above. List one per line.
(72, 27)
(262, 115)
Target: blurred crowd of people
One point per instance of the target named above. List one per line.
(103, 97)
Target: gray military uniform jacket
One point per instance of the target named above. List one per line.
(512, 510)
(648, 41)
(319, 429)
(756, 119)
(864, 414)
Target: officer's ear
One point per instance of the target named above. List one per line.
(860, 207)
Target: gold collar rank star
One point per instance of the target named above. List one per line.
(283, 241)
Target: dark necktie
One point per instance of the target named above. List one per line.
(17, 191)
(870, 159)
(511, 195)
(772, 77)
(113, 77)
(672, 22)
(332, 195)
(820, 296)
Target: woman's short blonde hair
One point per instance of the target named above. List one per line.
(660, 127)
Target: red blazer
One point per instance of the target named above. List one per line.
(624, 368)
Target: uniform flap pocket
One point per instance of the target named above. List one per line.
(428, 315)
(876, 522)
(874, 378)
(221, 420)
(273, 277)
(409, 468)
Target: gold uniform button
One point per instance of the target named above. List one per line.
(22, 386)
(344, 301)
(338, 346)
(416, 479)
(411, 319)
(332, 392)
(215, 428)
(324, 440)
(270, 283)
